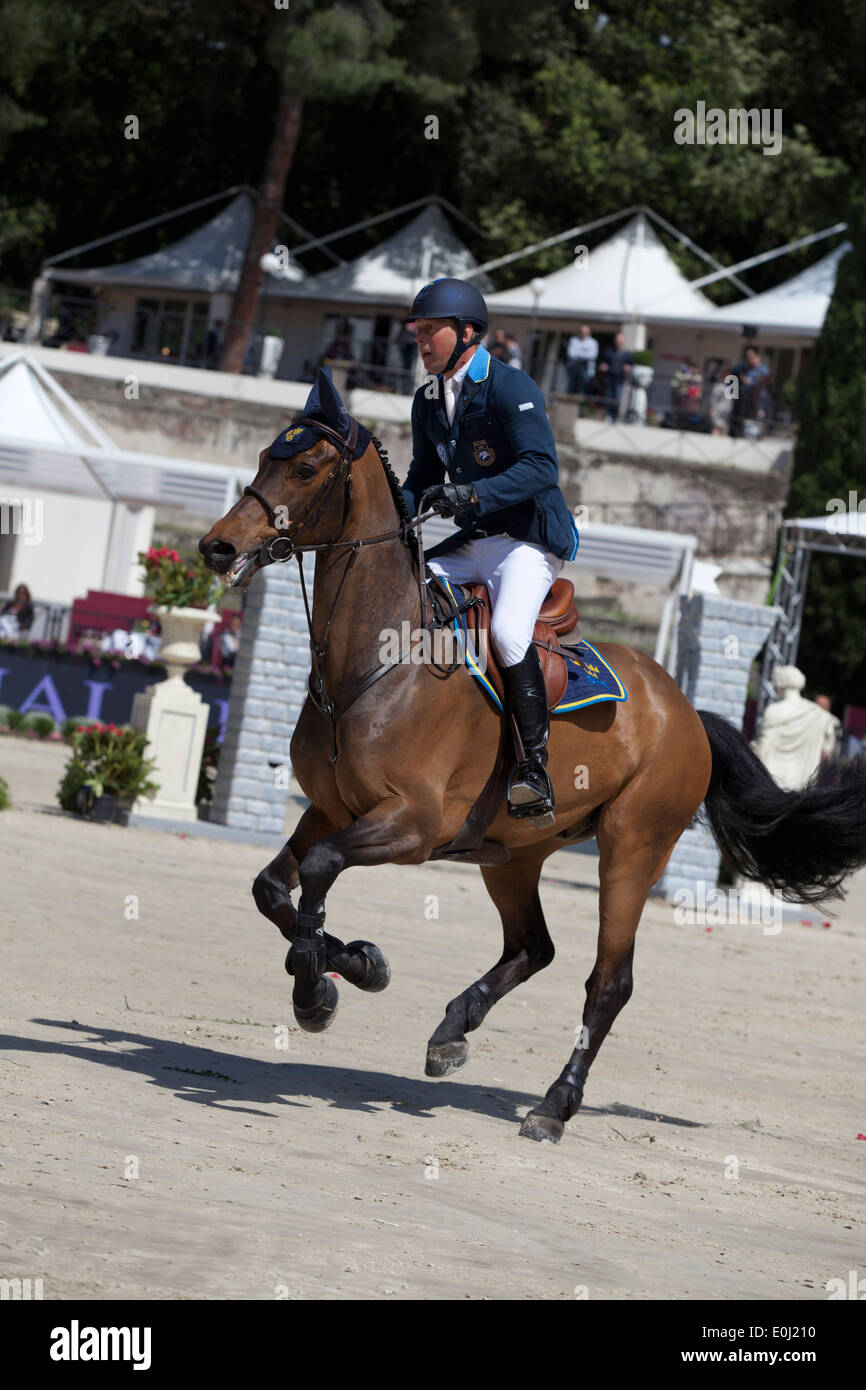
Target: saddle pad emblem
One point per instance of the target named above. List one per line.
(483, 453)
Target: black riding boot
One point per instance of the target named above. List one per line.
(529, 789)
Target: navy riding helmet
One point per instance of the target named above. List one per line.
(452, 299)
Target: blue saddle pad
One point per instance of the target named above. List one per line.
(590, 679)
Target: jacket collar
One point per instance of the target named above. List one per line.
(479, 367)
(477, 371)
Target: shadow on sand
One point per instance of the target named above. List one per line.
(226, 1080)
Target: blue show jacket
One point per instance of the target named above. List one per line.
(501, 441)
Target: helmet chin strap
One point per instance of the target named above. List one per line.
(460, 347)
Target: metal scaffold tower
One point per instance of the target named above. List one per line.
(842, 533)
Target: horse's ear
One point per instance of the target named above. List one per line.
(324, 402)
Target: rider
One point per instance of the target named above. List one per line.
(483, 423)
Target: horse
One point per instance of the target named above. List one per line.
(392, 760)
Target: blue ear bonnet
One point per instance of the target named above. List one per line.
(323, 403)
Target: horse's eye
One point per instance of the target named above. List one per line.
(306, 470)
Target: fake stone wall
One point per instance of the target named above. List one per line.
(718, 641)
(269, 686)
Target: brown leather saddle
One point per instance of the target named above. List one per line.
(558, 616)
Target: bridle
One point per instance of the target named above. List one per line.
(278, 549)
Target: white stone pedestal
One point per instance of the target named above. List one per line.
(174, 717)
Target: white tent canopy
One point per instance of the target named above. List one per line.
(630, 268)
(47, 442)
(799, 305)
(426, 248)
(209, 260)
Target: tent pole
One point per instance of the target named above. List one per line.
(140, 226)
(757, 260)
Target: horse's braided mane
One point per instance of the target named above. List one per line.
(393, 482)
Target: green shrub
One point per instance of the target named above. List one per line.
(5, 711)
(41, 724)
(16, 721)
(75, 721)
(109, 760)
(5, 801)
(74, 777)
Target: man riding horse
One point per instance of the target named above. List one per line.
(483, 424)
(380, 794)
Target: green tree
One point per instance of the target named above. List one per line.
(828, 464)
(321, 55)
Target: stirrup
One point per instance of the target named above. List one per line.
(528, 798)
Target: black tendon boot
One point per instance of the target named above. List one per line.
(529, 789)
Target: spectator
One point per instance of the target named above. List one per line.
(581, 356)
(721, 399)
(213, 344)
(230, 640)
(615, 365)
(687, 387)
(500, 346)
(515, 356)
(20, 607)
(753, 404)
(825, 703)
(340, 347)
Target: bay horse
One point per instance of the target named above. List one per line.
(392, 766)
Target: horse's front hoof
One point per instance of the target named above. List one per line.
(544, 1129)
(443, 1058)
(378, 972)
(317, 1017)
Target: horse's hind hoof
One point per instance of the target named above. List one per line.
(542, 1128)
(443, 1058)
(378, 973)
(318, 1017)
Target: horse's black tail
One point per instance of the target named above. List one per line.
(801, 844)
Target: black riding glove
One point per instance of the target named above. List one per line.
(449, 499)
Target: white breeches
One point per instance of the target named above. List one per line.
(518, 578)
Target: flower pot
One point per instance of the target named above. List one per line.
(99, 808)
(642, 376)
(181, 636)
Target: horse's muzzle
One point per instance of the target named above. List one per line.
(219, 556)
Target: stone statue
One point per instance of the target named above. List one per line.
(795, 733)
